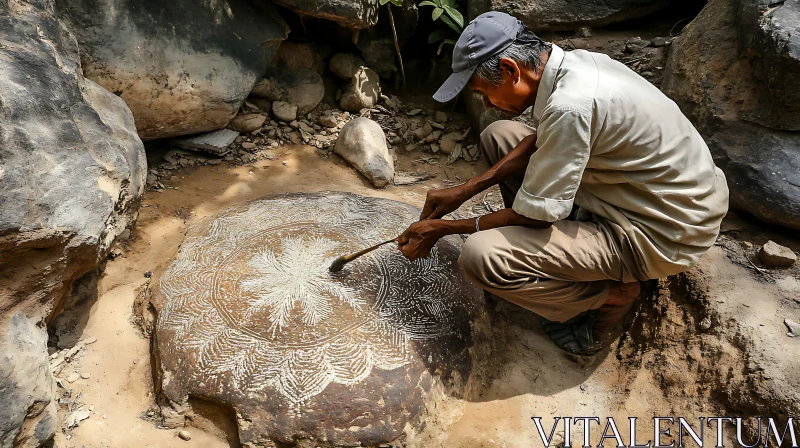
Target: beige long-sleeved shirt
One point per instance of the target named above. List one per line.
(612, 143)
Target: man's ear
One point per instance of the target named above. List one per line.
(510, 69)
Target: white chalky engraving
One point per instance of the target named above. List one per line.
(254, 299)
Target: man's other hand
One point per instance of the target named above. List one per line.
(420, 237)
(441, 202)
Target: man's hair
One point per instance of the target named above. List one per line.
(526, 50)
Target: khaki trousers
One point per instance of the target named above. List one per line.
(557, 272)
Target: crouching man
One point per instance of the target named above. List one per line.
(610, 152)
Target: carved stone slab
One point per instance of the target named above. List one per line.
(249, 316)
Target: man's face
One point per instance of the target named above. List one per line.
(515, 92)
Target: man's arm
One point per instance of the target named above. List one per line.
(441, 202)
(417, 241)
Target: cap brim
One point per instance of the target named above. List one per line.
(454, 84)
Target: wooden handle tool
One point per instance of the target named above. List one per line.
(338, 264)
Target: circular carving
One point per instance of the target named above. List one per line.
(251, 316)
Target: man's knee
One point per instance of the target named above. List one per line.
(489, 135)
(480, 259)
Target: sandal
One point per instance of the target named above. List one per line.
(575, 335)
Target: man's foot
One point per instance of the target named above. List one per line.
(621, 297)
(575, 335)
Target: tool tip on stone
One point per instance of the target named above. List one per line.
(337, 264)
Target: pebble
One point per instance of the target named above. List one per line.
(414, 112)
(74, 377)
(248, 145)
(705, 324)
(659, 42)
(184, 434)
(794, 327)
(440, 117)
(773, 254)
(85, 375)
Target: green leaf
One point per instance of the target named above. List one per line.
(437, 12)
(451, 24)
(436, 36)
(441, 45)
(383, 2)
(452, 12)
(444, 3)
(428, 3)
(398, 3)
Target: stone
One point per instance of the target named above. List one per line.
(301, 87)
(72, 172)
(363, 91)
(352, 14)
(773, 254)
(73, 377)
(284, 111)
(327, 120)
(793, 326)
(362, 144)
(414, 112)
(636, 44)
(440, 117)
(177, 73)
(561, 15)
(449, 141)
(722, 73)
(85, 376)
(247, 122)
(345, 65)
(659, 42)
(249, 316)
(216, 142)
(184, 435)
(264, 105)
(294, 55)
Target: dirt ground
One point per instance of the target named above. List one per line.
(667, 363)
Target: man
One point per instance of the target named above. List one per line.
(608, 142)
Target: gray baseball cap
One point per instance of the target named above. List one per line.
(488, 34)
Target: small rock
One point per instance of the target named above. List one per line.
(306, 128)
(794, 327)
(773, 254)
(152, 179)
(345, 65)
(414, 112)
(184, 434)
(659, 42)
(327, 120)
(705, 324)
(411, 147)
(148, 274)
(362, 143)
(363, 91)
(301, 87)
(584, 32)
(248, 145)
(73, 377)
(434, 148)
(647, 74)
(636, 44)
(85, 375)
(284, 111)
(247, 122)
(449, 141)
(440, 117)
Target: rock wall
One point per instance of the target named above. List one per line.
(182, 66)
(71, 172)
(560, 15)
(733, 71)
(354, 14)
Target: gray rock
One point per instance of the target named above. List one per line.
(72, 170)
(562, 15)
(440, 117)
(636, 44)
(354, 14)
(773, 254)
(177, 73)
(362, 144)
(363, 91)
(247, 122)
(449, 142)
(382, 344)
(328, 120)
(740, 101)
(301, 87)
(185, 435)
(284, 111)
(659, 42)
(345, 65)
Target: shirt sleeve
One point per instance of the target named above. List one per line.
(555, 170)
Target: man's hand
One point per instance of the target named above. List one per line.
(420, 237)
(441, 202)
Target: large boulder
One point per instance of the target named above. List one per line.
(732, 72)
(182, 66)
(354, 14)
(71, 172)
(249, 316)
(559, 14)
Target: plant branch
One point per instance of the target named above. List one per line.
(396, 44)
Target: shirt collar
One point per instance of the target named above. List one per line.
(547, 82)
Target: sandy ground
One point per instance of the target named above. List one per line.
(530, 377)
